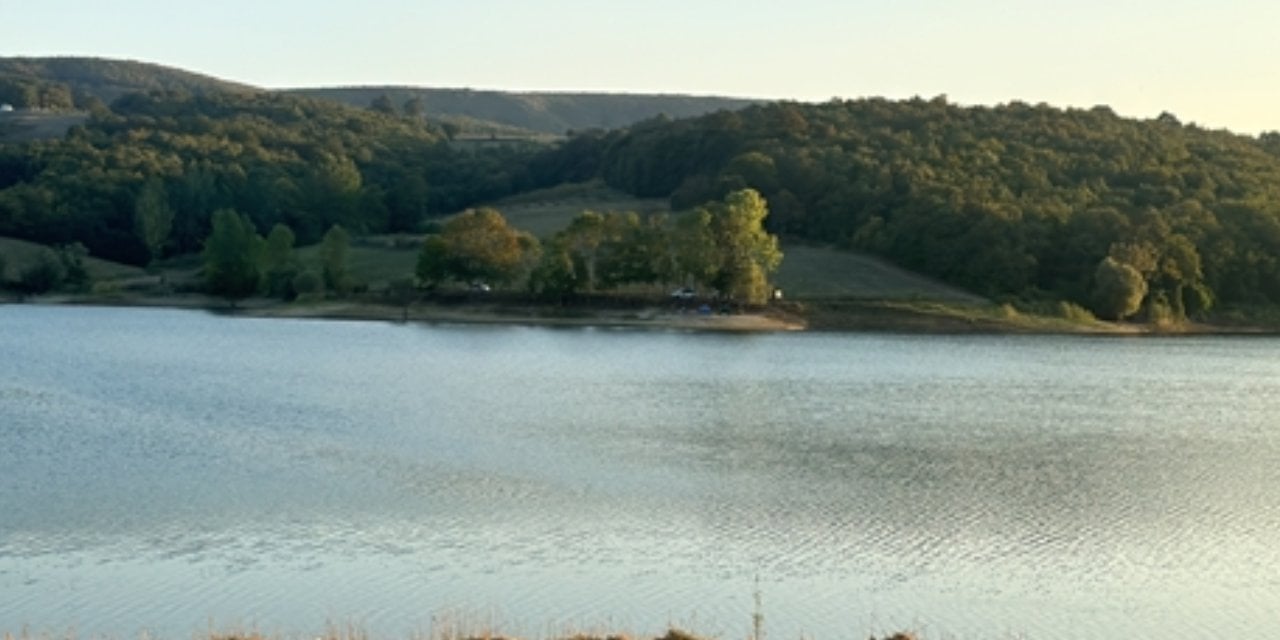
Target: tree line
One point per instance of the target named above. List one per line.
(1021, 202)
(275, 158)
(721, 247)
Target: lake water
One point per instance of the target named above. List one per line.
(167, 471)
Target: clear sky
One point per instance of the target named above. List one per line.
(1216, 63)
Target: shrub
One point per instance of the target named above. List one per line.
(1075, 313)
(45, 275)
(308, 284)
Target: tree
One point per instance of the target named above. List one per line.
(476, 246)
(75, 275)
(433, 262)
(414, 108)
(747, 254)
(231, 256)
(279, 265)
(333, 259)
(383, 104)
(1118, 289)
(43, 275)
(152, 217)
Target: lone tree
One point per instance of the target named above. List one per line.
(231, 256)
(1118, 289)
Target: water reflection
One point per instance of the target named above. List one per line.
(167, 467)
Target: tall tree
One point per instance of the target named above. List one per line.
(334, 249)
(747, 253)
(231, 256)
(153, 217)
(279, 265)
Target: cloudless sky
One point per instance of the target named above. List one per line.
(1216, 63)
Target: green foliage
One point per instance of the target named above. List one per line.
(746, 253)
(1118, 290)
(308, 284)
(43, 275)
(279, 264)
(153, 218)
(75, 275)
(276, 158)
(1014, 201)
(232, 256)
(477, 246)
(334, 249)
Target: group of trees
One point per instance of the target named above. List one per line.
(238, 262)
(159, 160)
(1027, 202)
(50, 269)
(1015, 202)
(721, 246)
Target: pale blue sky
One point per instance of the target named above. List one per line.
(1215, 63)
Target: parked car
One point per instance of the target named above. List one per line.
(480, 287)
(684, 293)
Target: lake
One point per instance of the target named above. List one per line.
(167, 472)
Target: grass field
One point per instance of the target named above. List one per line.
(20, 254)
(807, 271)
(546, 211)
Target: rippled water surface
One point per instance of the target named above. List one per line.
(165, 470)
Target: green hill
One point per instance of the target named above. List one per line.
(102, 78)
(1151, 218)
(549, 113)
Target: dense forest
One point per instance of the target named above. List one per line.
(1019, 201)
(276, 158)
(61, 82)
(1150, 219)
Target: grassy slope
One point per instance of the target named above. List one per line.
(20, 254)
(37, 125)
(807, 271)
(552, 113)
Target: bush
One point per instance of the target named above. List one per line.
(308, 284)
(1075, 313)
(45, 275)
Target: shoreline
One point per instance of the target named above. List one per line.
(865, 316)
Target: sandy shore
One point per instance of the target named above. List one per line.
(485, 314)
(426, 312)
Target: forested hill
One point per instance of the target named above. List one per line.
(554, 113)
(64, 82)
(71, 82)
(277, 158)
(1016, 201)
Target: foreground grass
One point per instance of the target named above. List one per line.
(444, 632)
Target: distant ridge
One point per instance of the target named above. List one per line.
(109, 79)
(554, 113)
(547, 113)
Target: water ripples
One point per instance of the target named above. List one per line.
(560, 480)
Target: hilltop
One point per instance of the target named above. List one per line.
(71, 82)
(550, 113)
(99, 78)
